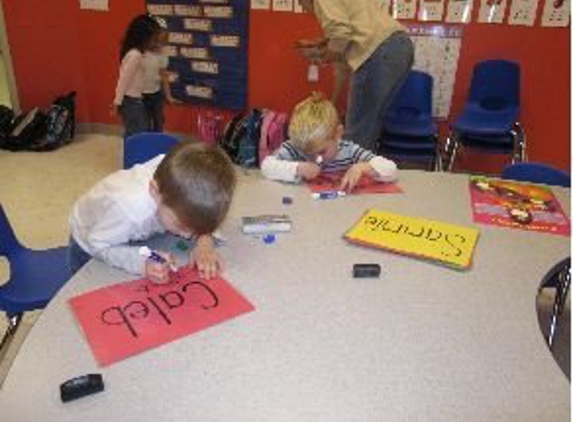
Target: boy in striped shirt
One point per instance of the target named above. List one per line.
(315, 146)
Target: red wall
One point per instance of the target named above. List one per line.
(56, 47)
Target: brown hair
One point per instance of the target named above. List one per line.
(196, 182)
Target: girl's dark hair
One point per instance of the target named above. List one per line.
(139, 34)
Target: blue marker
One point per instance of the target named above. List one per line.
(332, 194)
(154, 256)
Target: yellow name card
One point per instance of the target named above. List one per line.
(447, 243)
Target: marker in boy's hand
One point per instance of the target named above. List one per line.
(158, 265)
(307, 170)
(206, 258)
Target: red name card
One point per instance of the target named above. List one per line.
(327, 182)
(128, 318)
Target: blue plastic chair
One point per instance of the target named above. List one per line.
(536, 173)
(489, 121)
(35, 278)
(410, 132)
(142, 147)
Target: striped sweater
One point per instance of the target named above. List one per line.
(282, 164)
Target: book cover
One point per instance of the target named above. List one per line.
(517, 205)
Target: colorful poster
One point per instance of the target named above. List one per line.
(128, 318)
(437, 49)
(331, 182)
(492, 11)
(431, 10)
(459, 11)
(556, 13)
(417, 237)
(517, 205)
(523, 12)
(404, 9)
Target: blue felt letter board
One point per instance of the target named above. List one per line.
(208, 50)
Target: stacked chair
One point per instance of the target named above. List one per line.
(410, 132)
(489, 122)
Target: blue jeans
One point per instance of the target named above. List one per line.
(374, 85)
(134, 116)
(154, 106)
(77, 257)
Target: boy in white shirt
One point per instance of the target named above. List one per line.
(315, 146)
(156, 86)
(187, 192)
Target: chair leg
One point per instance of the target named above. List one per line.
(454, 151)
(523, 142)
(13, 324)
(559, 303)
(438, 164)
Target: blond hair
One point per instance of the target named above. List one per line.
(196, 182)
(312, 120)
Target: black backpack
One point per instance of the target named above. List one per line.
(39, 131)
(61, 121)
(25, 131)
(241, 138)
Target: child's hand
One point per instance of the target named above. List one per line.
(158, 272)
(171, 100)
(206, 257)
(353, 175)
(308, 171)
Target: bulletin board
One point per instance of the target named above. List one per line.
(207, 49)
(437, 49)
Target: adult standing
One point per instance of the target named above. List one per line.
(363, 40)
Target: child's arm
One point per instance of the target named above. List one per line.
(379, 167)
(103, 230)
(131, 62)
(206, 258)
(283, 164)
(365, 162)
(165, 85)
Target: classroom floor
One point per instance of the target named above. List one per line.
(38, 190)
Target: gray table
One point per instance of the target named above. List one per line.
(422, 343)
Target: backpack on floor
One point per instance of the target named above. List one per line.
(6, 119)
(241, 138)
(27, 130)
(273, 133)
(61, 123)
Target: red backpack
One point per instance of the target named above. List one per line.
(273, 132)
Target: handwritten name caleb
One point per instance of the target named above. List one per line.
(160, 304)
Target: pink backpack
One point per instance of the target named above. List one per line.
(209, 126)
(273, 132)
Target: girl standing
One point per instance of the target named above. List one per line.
(140, 37)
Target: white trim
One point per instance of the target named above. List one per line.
(5, 46)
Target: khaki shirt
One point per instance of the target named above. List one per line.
(355, 28)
